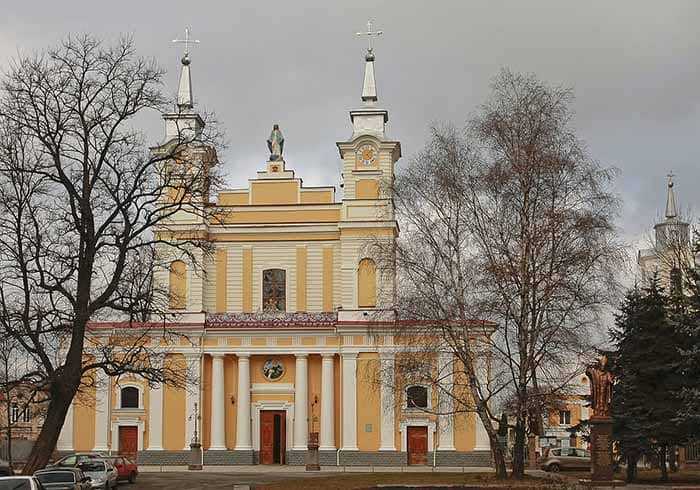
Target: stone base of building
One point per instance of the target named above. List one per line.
(326, 458)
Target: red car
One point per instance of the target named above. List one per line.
(126, 468)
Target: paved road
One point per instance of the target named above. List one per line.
(195, 481)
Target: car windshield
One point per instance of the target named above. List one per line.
(89, 466)
(56, 477)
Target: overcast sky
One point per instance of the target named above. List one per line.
(634, 66)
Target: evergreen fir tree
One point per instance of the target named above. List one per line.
(646, 399)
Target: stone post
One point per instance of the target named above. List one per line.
(312, 458)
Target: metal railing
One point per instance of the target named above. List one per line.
(692, 452)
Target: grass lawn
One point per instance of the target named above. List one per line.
(343, 481)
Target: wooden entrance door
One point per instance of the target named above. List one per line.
(417, 445)
(128, 440)
(273, 436)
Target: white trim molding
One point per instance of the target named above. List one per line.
(424, 422)
(127, 422)
(255, 410)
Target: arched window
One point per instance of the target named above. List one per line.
(417, 397)
(367, 284)
(129, 397)
(178, 285)
(274, 288)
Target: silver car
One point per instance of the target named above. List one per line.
(566, 458)
(20, 483)
(101, 472)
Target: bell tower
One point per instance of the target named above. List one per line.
(368, 156)
(367, 215)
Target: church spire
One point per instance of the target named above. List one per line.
(369, 87)
(671, 209)
(184, 91)
(184, 124)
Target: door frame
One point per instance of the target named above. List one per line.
(276, 405)
(127, 422)
(423, 422)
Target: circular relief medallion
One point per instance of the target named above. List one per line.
(273, 369)
(367, 155)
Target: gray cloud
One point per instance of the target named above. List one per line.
(634, 67)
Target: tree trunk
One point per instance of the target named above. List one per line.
(46, 442)
(631, 468)
(673, 459)
(518, 471)
(9, 432)
(662, 463)
(499, 459)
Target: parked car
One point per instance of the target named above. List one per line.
(73, 460)
(20, 483)
(5, 469)
(126, 468)
(101, 472)
(63, 479)
(566, 458)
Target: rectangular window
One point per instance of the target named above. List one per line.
(564, 417)
(27, 415)
(274, 290)
(14, 413)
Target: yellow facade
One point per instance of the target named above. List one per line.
(287, 314)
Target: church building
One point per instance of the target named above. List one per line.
(670, 254)
(284, 320)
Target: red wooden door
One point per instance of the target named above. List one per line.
(128, 440)
(272, 437)
(417, 445)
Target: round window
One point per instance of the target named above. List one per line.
(273, 369)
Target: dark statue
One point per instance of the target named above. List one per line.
(601, 387)
(275, 143)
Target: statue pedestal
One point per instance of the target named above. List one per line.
(195, 457)
(601, 454)
(312, 458)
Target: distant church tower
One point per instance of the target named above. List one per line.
(670, 253)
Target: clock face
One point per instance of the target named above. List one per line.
(367, 155)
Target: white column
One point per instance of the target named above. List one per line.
(327, 435)
(446, 426)
(101, 411)
(65, 438)
(243, 404)
(482, 437)
(218, 417)
(155, 419)
(349, 362)
(301, 395)
(386, 387)
(192, 397)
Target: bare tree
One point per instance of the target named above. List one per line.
(83, 202)
(510, 222)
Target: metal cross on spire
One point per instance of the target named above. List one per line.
(369, 35)
(187, 41)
